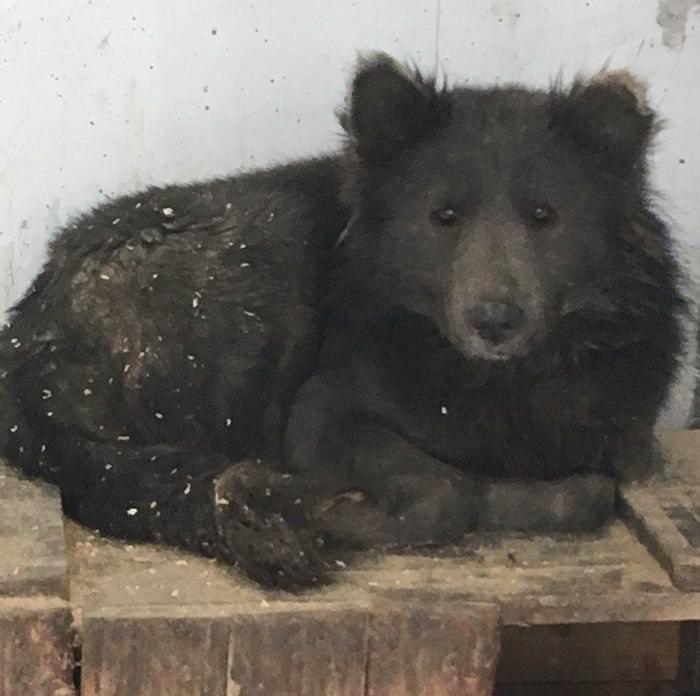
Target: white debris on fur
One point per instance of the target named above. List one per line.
(132, 511)
(168, 212)
(443, 410)
(221, 501)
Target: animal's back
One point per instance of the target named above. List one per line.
(158, 310)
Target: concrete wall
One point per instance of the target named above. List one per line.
(99, 97)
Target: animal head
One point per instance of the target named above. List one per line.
(485, 209)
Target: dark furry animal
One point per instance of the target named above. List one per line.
(467, 318)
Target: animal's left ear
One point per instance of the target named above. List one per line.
(607, 115)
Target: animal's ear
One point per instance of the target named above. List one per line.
(390, 107)
(607, 115)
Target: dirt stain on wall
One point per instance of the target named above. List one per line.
(672, 17)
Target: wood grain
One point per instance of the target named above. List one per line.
(35, 648)
(36, 635)
(432, 650)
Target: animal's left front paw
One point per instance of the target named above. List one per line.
(573, 504)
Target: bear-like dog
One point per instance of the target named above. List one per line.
(467, 318)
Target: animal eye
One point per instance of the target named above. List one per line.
(445, 216)
(543, 214)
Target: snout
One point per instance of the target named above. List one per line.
(496, 322)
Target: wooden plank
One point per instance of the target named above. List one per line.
(432, 650)
(33, 558)
(600, 578)
(304, 650)
(158, 621)
(665, 512)
(36, 636)
(689, 658)
(35, 647)
(546, 580)
(591, 689)
(319, 652)
(667, 520)
(153, 656)
(613, 652)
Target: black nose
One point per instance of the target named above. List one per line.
(496, 322)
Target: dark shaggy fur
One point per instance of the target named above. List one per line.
(468, 318)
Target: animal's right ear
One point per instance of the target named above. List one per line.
(390, 108)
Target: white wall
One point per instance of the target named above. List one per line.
(99, 97)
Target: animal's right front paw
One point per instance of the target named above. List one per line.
(260, 541)
(414, 510)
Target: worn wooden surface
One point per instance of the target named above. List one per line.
(35, 647)
(590, 653)
(602, 578)
(186, 625)
(434, 649)
(665, 513)
(240, 651)
(591, 689)
(33, 557)
(36, 636)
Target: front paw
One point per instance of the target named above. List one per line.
(408, 510)
(572, 504)
(433, 509)
(260, 540)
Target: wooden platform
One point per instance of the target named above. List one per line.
(152, 620)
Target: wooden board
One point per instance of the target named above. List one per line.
(588, 653)
(33, 558)
(36, 636)
(218, 654)
(597, 579)
(432, 649)
(591, 689)
(35, 647)
(665, 513)
(158, 621)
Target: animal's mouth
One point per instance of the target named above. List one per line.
(477, 347)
